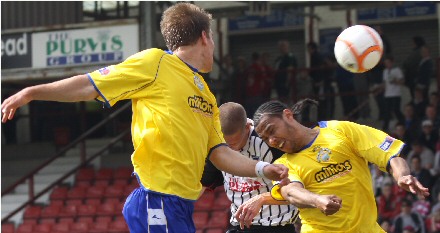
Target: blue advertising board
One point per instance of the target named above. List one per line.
(403, 9)
(277, 18)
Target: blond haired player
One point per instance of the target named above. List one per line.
(328, 169)
(175, 124)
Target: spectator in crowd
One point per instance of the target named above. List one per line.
(436, 203)
(402, 134)
(285, 66)
(425, 154)
(257, 77)
(393, 80)
(226, 77)
(434, 100)
(407, 217)
(429, 136)
(421, 173)
(412, 62)
(425, 71)
(411, 120)
(420, 103)
(386, 225)
(240, 74)
(422, 206)
(374, 76)
(321, 80)
(433, 222)
(431, 114)
(345, 81)
(388, 203)
(268, 84)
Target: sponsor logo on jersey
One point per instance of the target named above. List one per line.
(333, 171)
(198, 104)
(104, 71)
(385, 146)
(198, 83)
(237, 184)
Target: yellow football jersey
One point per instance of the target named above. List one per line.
(175, 120)
(336, 162)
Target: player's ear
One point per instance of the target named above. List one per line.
(205, 37)
(287, 113)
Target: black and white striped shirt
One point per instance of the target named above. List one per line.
(240, 189)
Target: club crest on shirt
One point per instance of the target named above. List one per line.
(323, 154)
(104, 71)
(198, 83)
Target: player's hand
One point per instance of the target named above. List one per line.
(328, 204)
(277, 172)
(411, 184)
(248, 210)
(11, 104)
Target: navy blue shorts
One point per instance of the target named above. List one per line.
(152, 212)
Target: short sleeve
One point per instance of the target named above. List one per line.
(372, 144)
(275, 192)
(126, 80)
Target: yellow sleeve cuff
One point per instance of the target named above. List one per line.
(275, 192)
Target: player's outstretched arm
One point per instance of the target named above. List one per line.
(249, 209)
(232, 162)
(296, 194)
(76, 88)
(401, 173)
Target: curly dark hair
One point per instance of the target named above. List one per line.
(183, 24)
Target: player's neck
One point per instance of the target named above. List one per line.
(189, 55)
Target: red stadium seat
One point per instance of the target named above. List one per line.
(114, 191)
(77, 192)
(215, 230)
(205, 202)
(69, 211)
(104, 174)
(90, 220)
(47, 220)
(66, 220)
(95, 192)
(32, 212)
(79, 227)
(102, 183)
(74, 202)
(61, 228)
(50, 211)
(93, 201)
(123, 173)
(106, 219)
(200, 219)
(106, 209)
(8, 227)
(85, 174)
(99, 227)
(218, 219)
(25, 228)
(221, 202)
(114, 200)
(118, 226)
(121, 181)
(86, 210)
(59, 193)
(43, 228)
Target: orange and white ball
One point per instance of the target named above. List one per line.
(358, 48)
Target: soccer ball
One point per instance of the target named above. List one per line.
(358, 48)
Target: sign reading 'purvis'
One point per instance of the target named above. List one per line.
(84, 46)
